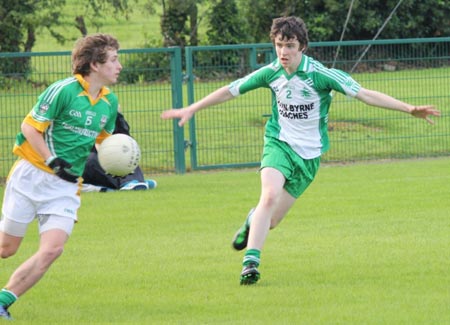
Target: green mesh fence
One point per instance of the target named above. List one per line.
(416, 71)
(231, 134)
(146, 86)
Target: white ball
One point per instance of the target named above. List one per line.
(119, 154)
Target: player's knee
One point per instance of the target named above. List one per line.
(269, 199)
(50, 254)
(55, 252)
(7, 251)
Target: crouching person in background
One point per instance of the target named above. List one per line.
(97, 180)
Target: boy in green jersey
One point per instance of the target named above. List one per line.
(56, 137)
(296, 133)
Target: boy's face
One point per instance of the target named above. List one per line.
(109, 71)
(288, 52)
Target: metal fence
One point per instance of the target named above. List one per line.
(231, 134)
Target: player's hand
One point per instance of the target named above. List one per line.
(183, 114)
(62, 169)
(425, 112)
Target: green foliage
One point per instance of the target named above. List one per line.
(181, 22)
(146, 67)
(218, 65)
(20, 19)
(174, 20)
(366, 244)
(15, 68)
(325, 18)
(10, 33)
(18, 22)
(259, 15)
(412, 19)
(226, 26)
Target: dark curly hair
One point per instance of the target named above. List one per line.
(92, 49)
(289, 28)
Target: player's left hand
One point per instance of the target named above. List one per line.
(61, 168)
(425, 112)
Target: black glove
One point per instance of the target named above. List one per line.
(62, 169)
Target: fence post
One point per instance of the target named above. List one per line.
(177, 102)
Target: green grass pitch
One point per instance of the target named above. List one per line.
(366, 244)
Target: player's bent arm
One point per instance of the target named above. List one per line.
(36, 140)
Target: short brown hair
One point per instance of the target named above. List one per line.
(289, 28)
(91, 49)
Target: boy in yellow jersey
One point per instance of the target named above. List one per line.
(56, 137)
(296, 134)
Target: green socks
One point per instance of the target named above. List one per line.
(252, 256)
(7, 298)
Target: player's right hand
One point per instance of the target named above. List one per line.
(62, 169)
(183, 114)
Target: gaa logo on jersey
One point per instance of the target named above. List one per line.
(43, 108)
(103, 121)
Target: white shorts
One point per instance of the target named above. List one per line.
(31, 192)
(45, 222)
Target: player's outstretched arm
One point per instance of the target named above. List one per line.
(219, 96)
(375, 98)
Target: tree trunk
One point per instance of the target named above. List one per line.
(81, 25)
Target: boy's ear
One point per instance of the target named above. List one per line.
(93, 66)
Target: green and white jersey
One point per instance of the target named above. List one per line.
(301, 102)
(70, 121)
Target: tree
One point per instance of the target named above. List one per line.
(226, 26)
(174, 19)
(20, 19)
(325, 18)
(18, 23)
(97, 10)
(260, 13)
